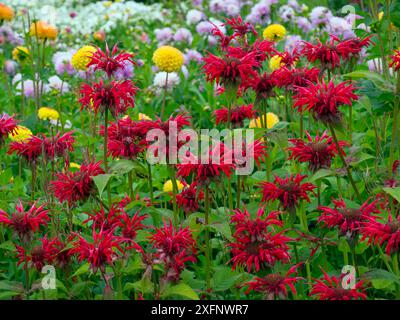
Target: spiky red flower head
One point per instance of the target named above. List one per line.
(330, 288)
(220, 162)
(7, 126)
(318, 152)
(61, 251)
(274, 285)
(295, 77)
(240, 27)
(76, 186)
(115, 96)
(238, 115)
(102, 249)
(131, 225)
(30, 149)
(288, 191)
(249, 151)
(39, 255)
(263, 85)
(263, 49)
(385, 234)
(255, 246)
(230, 71)
(324, 100)
(288, 59)
(109, 61)
(189, 198)
(123, 140)
(395, 63)
(327, 54)
(351, 48)
(25, 223)
(348, 220)
(59, 145)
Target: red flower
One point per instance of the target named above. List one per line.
(330, 288)
(295, 77)
(131, 225)
(383, 234)
(7, 126)
(189, 198)
(105, 220)
(351, 48)
(327, 54)
(289, 191)
(108, 61)
(256, 247)
(231, 71)
(238, 115)
(59, 145)
(263, 85)
(76, 186)
(30, 149)
(239, 27)
(25, 223)
(123, 140)
(395, 63)
(101, 251)
(219, 163)
(116, 96)
(318, 153)
(61, 252)
(253, 150)
(39, 255)
(323, 100)
(273, 285)
(348, 220)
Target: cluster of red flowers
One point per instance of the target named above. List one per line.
(7, 126)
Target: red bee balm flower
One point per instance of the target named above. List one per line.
(330, 288)
(289, 191)
(323, 100)
(351, 48)
(239, 27)
(238, 115)
(327, 54)
(395, 63)
(256, 247)
(76, 186)
(109, 61)
(38, 256)
(348, 220)
(318, 153)
(274, 285)
(383, 234)
(292, 78)
(189, 198)
(7, 126)
(25, 223)
(116, 96)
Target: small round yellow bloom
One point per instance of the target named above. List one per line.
(142, 116)
(6, 13)
(20, 134)
(274, 32)
(380, 15)
(168, 186)
(168, 59)
(43, 30)
(275, 62)
(272, 119)
(82, 57)
(45, 113)
(20, 54)
(74, 165)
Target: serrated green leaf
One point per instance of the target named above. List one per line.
(181, 289)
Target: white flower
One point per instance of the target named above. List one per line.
(56, 83)
(160, 77)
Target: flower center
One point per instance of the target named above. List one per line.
(350, 213)
(318, 146)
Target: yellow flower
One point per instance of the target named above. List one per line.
(275, 62)
(74, 165)
(43, 30)
(45, 113)
(380, 15)
(142, 116)
(274, 32)
(272, 119)
(20, 54)
(168, 59)
(99, 35)
(20, 134)
(168, 186)
(6, 13)
(82, 57)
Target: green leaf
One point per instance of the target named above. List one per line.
(82, 270)
(322, 173)
(393, 192)
(381, 283)
(8, 245)
(122, 167)
(181, 289)
(343, 245)
(101, 182)
(380, 274)
(144, 285)
(376, 78)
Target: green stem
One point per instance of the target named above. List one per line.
(130, 182)
(105, 153)
(207, 240)
(174, 193)
(150, 178)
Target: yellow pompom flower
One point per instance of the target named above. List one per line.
(45, 113)
(275, 62)
(274, 32)
(272, 119)
(168, 186)
(20, 54)
(82, 57)
(6, 13)
(43, 30)
(20, 134)
(142, 116)
(74, 165)
(168, 59)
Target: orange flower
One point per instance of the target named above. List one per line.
(6, 13)
(43, 30)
